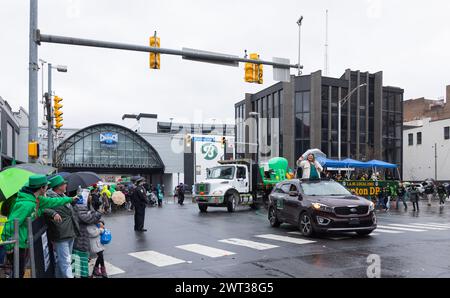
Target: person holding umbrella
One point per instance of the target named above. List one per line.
(140, 203)
(63, 228)
(31, 202)
(311, 168)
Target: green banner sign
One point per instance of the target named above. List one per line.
(366, 188)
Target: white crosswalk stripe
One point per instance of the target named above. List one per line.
(206, 250)
(156, 258)
(401, 229)
(432, 225)
(427, 227)
(285, 239)
(388, 231)
(110, 268)
(248, 243)
(295, 233)
(441, 224)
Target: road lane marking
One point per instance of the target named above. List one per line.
(401, 229)
(441, 225)
(428, 227)
(295, 233)
(433, 225)
(248, 243)
(110, 268)
(415, 227)
(206, 250)
(374, 234)
(388, 231)
(156, 258)
(285, 239)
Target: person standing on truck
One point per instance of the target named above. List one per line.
(311, 168)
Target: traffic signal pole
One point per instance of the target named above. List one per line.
(33, 69)
(188, 54)
(49, 118)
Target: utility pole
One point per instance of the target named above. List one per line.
(49, 118)
(326, 46)
(33, 76)
(435, 162)
(299, 23)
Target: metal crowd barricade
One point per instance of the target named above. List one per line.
(14, 241)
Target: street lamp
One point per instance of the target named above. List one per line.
(256, 115)
(340, 104)
(299, 23)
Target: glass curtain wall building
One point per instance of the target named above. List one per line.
(306, 111)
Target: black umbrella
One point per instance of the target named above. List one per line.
(83, 179)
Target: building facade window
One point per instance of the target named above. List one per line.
(447, 133)
(419, 138)
(410, 139)
(302, 122)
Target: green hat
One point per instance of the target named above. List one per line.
(37, 181)
(56, 181)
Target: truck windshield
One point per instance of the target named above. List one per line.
(221, 173)
(324, 188)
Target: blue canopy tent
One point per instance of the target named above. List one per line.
(330, 163)
(351, 163)
(380, 164)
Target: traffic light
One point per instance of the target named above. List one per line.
(188, 140)
(223, 141)
(155, 59)
(57, 113)
(33, 150)
(254, 72)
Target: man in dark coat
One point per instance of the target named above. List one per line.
(63, 228)
(140, 203)
(181, 194)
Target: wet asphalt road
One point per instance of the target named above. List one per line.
(419, 247)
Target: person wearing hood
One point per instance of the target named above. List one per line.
(81, 247)
(31, 202)
(63, 228)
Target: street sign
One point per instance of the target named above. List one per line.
(194, 52)
(281, 74)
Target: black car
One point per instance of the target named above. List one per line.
(320, 206)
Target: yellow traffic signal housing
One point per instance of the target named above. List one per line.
(254, 72)
(188, 140)
(223, 141)
(57, 106)
(155, 58)
(33, 149)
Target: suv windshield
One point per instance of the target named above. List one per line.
(221, 173)
(324, 188)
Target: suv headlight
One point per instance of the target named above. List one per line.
(371, 206)
(217, 193)
(322, 207)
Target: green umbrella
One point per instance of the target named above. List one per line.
(11, 181)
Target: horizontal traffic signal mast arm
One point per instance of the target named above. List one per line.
(140, 48)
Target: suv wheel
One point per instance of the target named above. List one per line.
(273, 219)
(305, 225)
(203, 207)
(232, 202)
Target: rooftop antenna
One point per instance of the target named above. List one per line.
(326, 45)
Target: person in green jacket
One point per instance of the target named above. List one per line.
(31, 202)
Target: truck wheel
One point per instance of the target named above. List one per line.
(273, 219)
(232, 202)
(203, 207)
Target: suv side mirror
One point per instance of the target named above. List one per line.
(294, 193)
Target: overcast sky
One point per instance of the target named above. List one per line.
(408, 40)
